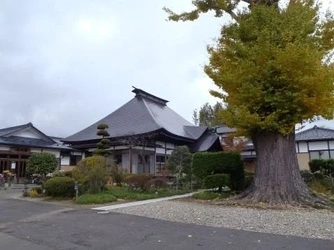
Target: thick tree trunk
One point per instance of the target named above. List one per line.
(277, 178)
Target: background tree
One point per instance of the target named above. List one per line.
(208, 115)
(179, 163)
(42, 164)
(104, 144)
(273, 65)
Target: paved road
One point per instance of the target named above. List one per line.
(39, 226)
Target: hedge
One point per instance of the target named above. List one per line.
(205, 164)
(59, 187)
(325, 167)
(217, 181)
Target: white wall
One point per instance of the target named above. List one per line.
(302, 147)
(331, 144)
(318, 145)
(4, 148)
(160, 151)
(65, 161)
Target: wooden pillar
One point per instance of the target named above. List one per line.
(130, 158)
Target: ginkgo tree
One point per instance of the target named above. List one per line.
(273, 66)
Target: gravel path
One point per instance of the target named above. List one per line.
(297, 222)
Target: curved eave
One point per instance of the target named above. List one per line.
(153, 134)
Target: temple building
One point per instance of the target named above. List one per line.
(143, 132)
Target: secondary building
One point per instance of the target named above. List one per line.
(17, 143)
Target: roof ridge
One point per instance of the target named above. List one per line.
(151, 114)
(315, 127)
(142, 93)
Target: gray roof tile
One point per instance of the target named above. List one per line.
(315, 134)
(143, 114)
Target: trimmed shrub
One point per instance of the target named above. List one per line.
(316, 164)
(59, 187)
(91, 174)
(138, 181)
(117, 174)
(68, 174)
(157, 183)
(217, 181)
(205, 164)
(325, 167)
(205, 195)
(306, 175)
(37, 189)
(33, 193)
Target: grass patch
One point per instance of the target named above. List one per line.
(126, 194)
(114, 193)
(96, 198)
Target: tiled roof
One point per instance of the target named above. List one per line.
(315, 134)
(5, 131)
(206, 142)
(145, 113)
(30, 142)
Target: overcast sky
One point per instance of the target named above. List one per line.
(67, 63)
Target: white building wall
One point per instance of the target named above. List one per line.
(4, 148)
(134, 163)
(160, 151)
(319, 145)
(170, 145)
(302, 147)
(331, 144)
(65, 161)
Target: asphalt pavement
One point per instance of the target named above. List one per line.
(43, 226)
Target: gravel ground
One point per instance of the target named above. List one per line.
(297, 222)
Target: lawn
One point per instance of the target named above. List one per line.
(123, 193)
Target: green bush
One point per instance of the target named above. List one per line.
(307, 175)
(205, 164)
(91, 174)
(316, 165)
(217, 181)
(117, 174)
(42, 164)
(59, 187)
(205, 195)
(68, 174)
(138, 181)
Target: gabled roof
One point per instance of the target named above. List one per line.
(315, 134)
(206, 142)
(143, 114)
(11, 131)
(8, 136)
